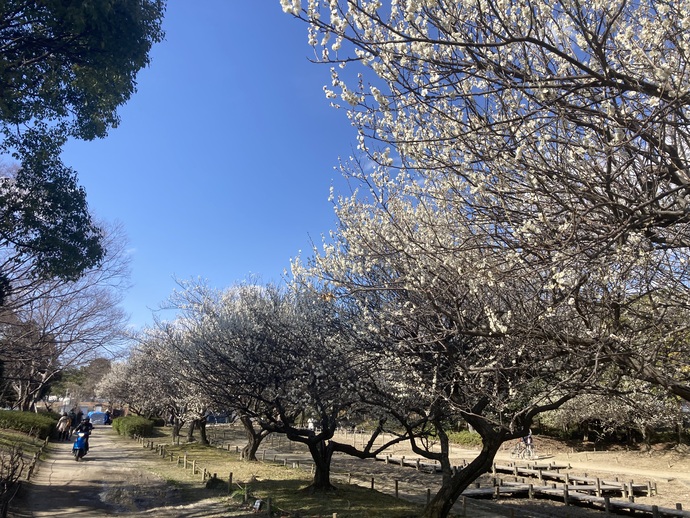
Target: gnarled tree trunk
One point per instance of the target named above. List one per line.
(203, 439)
(453, 486)
(190, 430)
(321, 454)
(254, 439)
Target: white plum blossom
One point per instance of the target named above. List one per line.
(291, 6)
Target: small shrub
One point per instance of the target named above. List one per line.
(132, 425)
(39, 425)
(466, 438)
(158, 421)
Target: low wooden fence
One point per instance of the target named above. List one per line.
(34, 460)
(206, 475)
(552, 483)
(12, 490)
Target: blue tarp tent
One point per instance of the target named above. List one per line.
(97, 417)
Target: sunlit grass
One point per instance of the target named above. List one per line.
(29, 445)
(263, 480)
(347, 500)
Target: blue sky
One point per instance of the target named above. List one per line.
(221, 166)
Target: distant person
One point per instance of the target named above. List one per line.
(107, 419)
(527, 439)
(63, 427)
(72, 422)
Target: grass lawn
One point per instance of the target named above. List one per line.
(265, 479)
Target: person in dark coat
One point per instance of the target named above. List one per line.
(73, 423)
(85, 426)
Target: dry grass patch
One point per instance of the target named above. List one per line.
(28, 444)
(347, 501)
(263, 480)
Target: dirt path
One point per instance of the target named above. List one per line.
(114, 478)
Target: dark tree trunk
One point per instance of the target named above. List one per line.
(453, 485)
(203, 439)
(176, 427)
(190, 431)
(24, 404)
(321, 454)
(254, 439)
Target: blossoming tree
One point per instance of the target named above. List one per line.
(456, 319)
(276, 358)
(565, 126)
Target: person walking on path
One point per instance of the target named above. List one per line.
(73, 422)
(63, 427)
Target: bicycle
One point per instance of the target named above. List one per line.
(523, 451)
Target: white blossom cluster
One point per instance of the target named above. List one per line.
(543, 158)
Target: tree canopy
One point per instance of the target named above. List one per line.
(559, 131)
(65, 68)
(522, 195)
